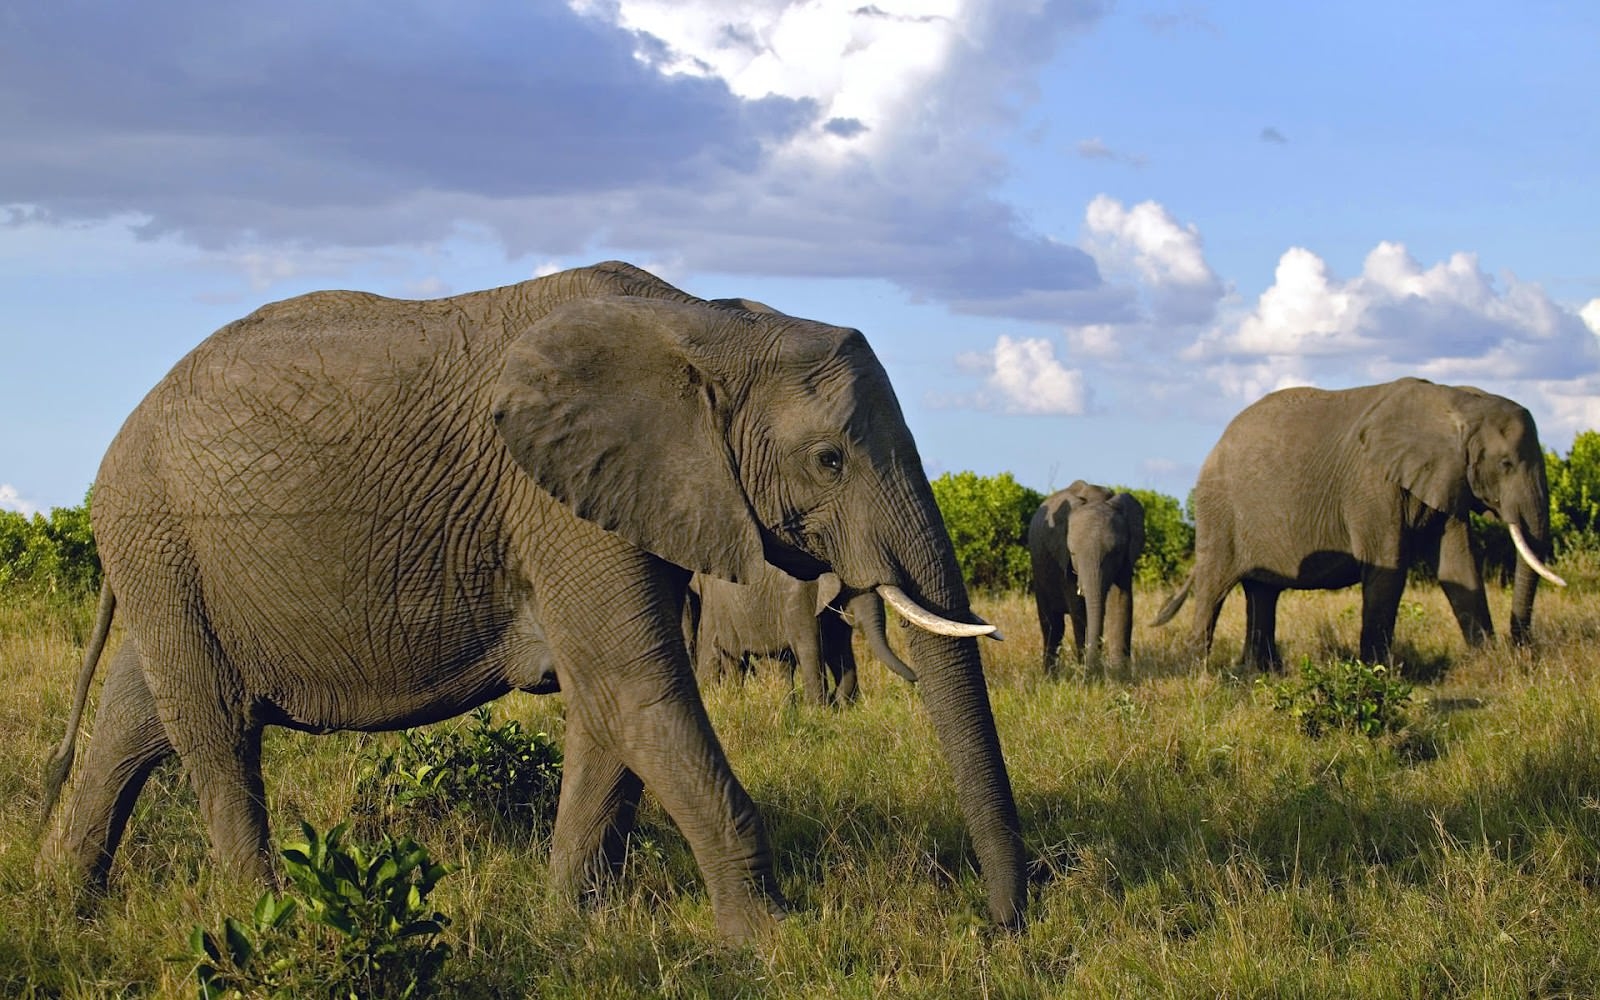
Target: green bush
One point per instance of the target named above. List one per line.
(987, 518)
(371, 935)
(1168, 538)
(1575, 494)
(501, 772)
(50, 554)
(1344, 695)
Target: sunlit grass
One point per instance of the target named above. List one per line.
(1189, 840)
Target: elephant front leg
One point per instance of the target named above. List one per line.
(1462, 583)
(599, 802)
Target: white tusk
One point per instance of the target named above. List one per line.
(924, 619)
(1531, 559)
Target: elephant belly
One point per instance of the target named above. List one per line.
(1318, 570)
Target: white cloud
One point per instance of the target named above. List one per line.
(1449, 321)
(1148, 246)
(1023, 376)
(10, 499)
(1590, 314)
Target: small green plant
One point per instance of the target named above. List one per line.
(503, 771)
(367, 928)
(1345, 694)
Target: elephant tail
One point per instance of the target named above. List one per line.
(1171, 607)
(59, 765)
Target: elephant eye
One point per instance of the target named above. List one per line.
(829, 458)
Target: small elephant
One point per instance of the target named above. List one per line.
(1310, 489)
(345, 511)
(803, 622)
(1085, 541)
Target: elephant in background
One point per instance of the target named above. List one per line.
(345, 511)
(1310, 489)
(808, 623)
(1085, 541)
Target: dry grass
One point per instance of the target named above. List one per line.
(1190, 841)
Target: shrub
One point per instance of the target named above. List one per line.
(1575, 494)
(49, 554)
(1345, 694)
(503, 772)
(987, 518)
(371, 935)
(1168, 538)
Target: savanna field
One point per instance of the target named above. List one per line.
(1191, 840)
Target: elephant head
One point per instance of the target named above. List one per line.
(721, 440)
(1458, 449)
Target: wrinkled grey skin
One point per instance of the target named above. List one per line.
(351, 512)
(1314, 490)
(1085, 541)
(808, 623)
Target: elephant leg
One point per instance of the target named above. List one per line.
(1118, 633)
(599, 802)
(626, 676)
(838, 652)
(806, 646)
(1078, 611)
(127, 745)
(1463, 583)
(1381, 588)
(198, 699)
(1052, 628)
(1208, 596)
(1261, 626)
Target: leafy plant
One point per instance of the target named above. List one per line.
(367, 932)
(1343, 695)
(50, 554)
(987, 518)
(502, 771)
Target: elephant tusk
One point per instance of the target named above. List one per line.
(1532, 560)
(924, 619)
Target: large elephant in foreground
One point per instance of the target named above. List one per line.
(1085, 541)
(351, 512)
(1313, 490)
(810, 623)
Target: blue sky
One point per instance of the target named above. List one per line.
(1081, 235)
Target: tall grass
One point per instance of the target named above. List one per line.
(1189, 839)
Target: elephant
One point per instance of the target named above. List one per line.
(351, 512)
(1311, 489)
(1084, 542)
(807, 622)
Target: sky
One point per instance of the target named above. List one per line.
(1081, 235)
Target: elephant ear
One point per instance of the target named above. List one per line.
(614, 407)
(1080, 493)
(1416, 439)
(1133, 513)
(828, 587)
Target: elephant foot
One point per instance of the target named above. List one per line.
(750, 916)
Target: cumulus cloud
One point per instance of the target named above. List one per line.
(1023, 376)
(742, 136)
(1166, 260)
(1450, 321)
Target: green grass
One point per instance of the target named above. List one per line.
(1191, 840)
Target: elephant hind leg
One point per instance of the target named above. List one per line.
(1381, 589)
(127, 744)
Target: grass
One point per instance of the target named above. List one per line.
(1190, 840)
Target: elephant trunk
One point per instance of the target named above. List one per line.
(1092, 583)
(867, 611)
(1530, 533)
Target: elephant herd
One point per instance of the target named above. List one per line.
(348, 512)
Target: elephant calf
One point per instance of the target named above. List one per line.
(1085, 541)
(776, 615)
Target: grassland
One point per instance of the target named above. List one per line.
(1190, 840)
